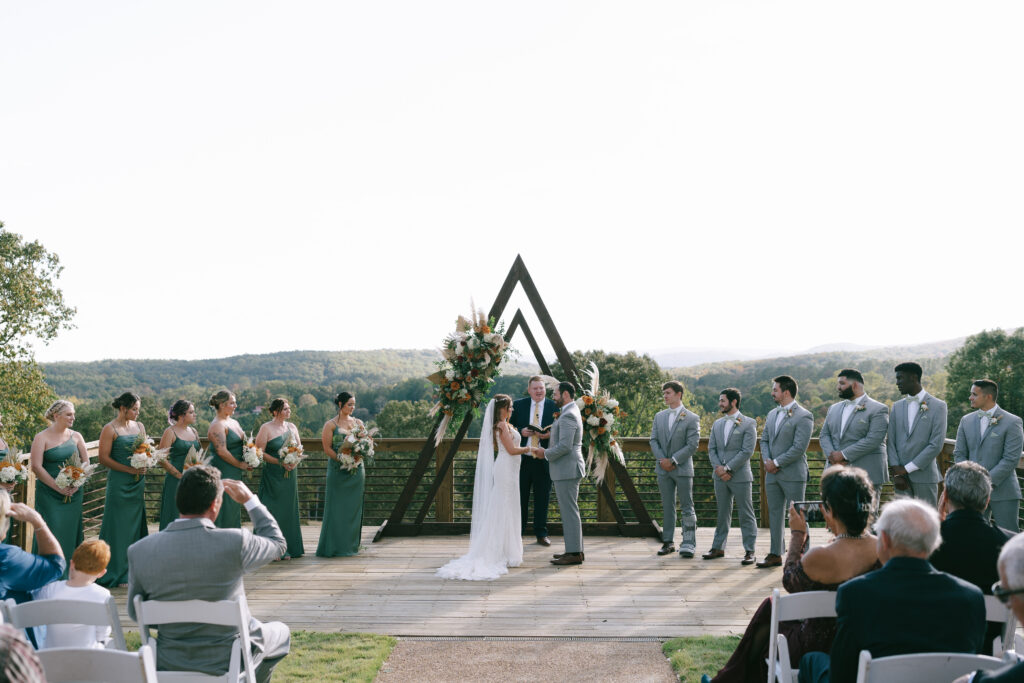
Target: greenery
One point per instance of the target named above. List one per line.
(692, 657)
(994, 355)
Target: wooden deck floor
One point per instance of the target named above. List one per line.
(622, 590)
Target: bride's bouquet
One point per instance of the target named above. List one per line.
(251, 455)
(194, 457)
(291, 452)
(14, 468)
(74, 474)
(357, 447)
(472, 356)
(599, 412)
(144, 455)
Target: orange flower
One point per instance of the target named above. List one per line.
(588, 400)
(487, 329)
(601, 430)
(455, 385)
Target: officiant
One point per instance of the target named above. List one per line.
(536, 410)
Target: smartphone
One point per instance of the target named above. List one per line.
(810, 509)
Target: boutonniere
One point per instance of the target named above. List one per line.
(860, 407)
(554, 415)
(993, 421)
(924, 406)
(789, 412)
(739, 418)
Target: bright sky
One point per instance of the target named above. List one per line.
(245, 177)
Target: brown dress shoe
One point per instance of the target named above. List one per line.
(569, 558)
(558, 555)
(748, 558)
(544, 540)
(770, 560)
(713, 554)
(667, 548)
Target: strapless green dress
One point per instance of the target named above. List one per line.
(230, 516)
(281, 496)
(343, 507)
(124, 512)
(176, 456)
(64, 519)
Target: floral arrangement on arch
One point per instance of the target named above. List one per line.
(472, 357)
(599, 412)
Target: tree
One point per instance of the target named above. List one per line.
(991, 354)
(407, 419)
(23, 400)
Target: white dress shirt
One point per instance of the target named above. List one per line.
(673, 416)
(848, 411)
(986, 418)
(913, 408)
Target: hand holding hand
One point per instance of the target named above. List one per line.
(770, 467)
(237, 491)
(668, 464)
(538, 453)
(836, 457)
(727, 476)
(721, 471)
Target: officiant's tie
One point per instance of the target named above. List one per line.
(535, 440)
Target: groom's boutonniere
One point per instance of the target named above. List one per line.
(993, 421)
(860, 407)
(554, 415)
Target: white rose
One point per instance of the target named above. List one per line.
(8, 474)
(579, 403)
(594, 420)
(485, 360)
(612, 404)
(449, 374)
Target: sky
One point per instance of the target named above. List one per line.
(221, 178)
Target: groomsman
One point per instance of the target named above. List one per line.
(993, 438)
(534, 474)
(730, 445)
(674, 439)
(854, 430)
(917, 431)
(787, 432)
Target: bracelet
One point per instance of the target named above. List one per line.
(798, 531)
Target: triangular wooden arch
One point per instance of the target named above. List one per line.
(395, 525)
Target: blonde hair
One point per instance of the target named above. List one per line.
(5, 509)
(92, 556)
(56, 407)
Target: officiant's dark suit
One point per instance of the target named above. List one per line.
(534, 474)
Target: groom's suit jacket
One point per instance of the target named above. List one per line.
(735, 451)
(678, 444)
(863, 441)
(565, 456)
(998, 450)
(194, 560)
(788, 445)
(919, 443)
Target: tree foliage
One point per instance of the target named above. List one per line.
(991, 354)
(24, 397)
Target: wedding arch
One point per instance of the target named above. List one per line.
(397, 525)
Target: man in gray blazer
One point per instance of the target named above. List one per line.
(787, 432)
(993, 438)
(730, 445)
(565, 460)
(194, 560)
(854, 431)
(917, 431)
(675, 436)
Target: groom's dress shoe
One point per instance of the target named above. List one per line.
(544, 540)
(770, 560)
(713, 554)
(667, 549)
(558, 555)
(569, 558)
(748, 558)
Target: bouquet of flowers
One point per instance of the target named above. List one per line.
(194, 457)
(357, 446)
(599, 412)
(252, 456)
(471, 359)
(291, 452)
(74, 474)
(144, 454)
(14, 468)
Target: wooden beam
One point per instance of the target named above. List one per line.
(518, 320)
(442, 470)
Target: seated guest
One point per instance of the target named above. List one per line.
(18, 661)
(847, 498)
(192, 559)
(88, 563)
(906, 606)
(22, 572)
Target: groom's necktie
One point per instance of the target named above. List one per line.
(535, 440)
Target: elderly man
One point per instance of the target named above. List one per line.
(906, 606)
(194, 560)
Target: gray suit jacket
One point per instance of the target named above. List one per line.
(734, 453)
(863, 442)
(565, 455)
(679, 445)
(193, 560)
(920, 445)
(788, 446)
(998, 451)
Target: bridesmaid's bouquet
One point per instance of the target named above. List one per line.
(144, 454)
(599, 412)
(14, 468)
(357, 447)
(291, 452)
(74, 474)
(194, 457)
(252, 455)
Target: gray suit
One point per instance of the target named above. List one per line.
(862, 442)
(734, 453)
(678, 445)
(998, 451)
(919, 444)
(193, 560)
(565, 461)
(787, 447)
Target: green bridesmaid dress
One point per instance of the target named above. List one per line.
(176, 456)
(230, 516)
(281, 496)
(64, 519)
(343, 507)
(124, 512)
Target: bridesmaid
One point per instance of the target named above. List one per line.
(226, 441)
(179, 437)
(124, 509)
(5, 450)
(279, 493)
(343, 496)
(50, 450)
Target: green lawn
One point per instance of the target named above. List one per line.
(692, 657)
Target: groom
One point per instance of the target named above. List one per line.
(565, 459)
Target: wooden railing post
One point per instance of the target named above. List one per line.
(444, 503)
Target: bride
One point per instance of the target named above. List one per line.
(495, 543)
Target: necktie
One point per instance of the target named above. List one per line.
(535, 440)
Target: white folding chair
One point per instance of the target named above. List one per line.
(47, 612)
(926, 667)
(1001, 614)
(223, 613)
(785, 607)
(65, 664)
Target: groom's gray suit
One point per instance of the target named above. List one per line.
(565, 461)
(919, 443)
(678, 445)
(194, 560)
(785, 443)
(862, 442)
(734, 454)
(998, 451)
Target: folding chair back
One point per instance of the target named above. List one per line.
(926, 667)
(81, 664)
(788, 606)
(47, 612)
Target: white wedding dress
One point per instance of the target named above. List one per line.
(495, 540)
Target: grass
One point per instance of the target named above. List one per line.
(692, 657)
